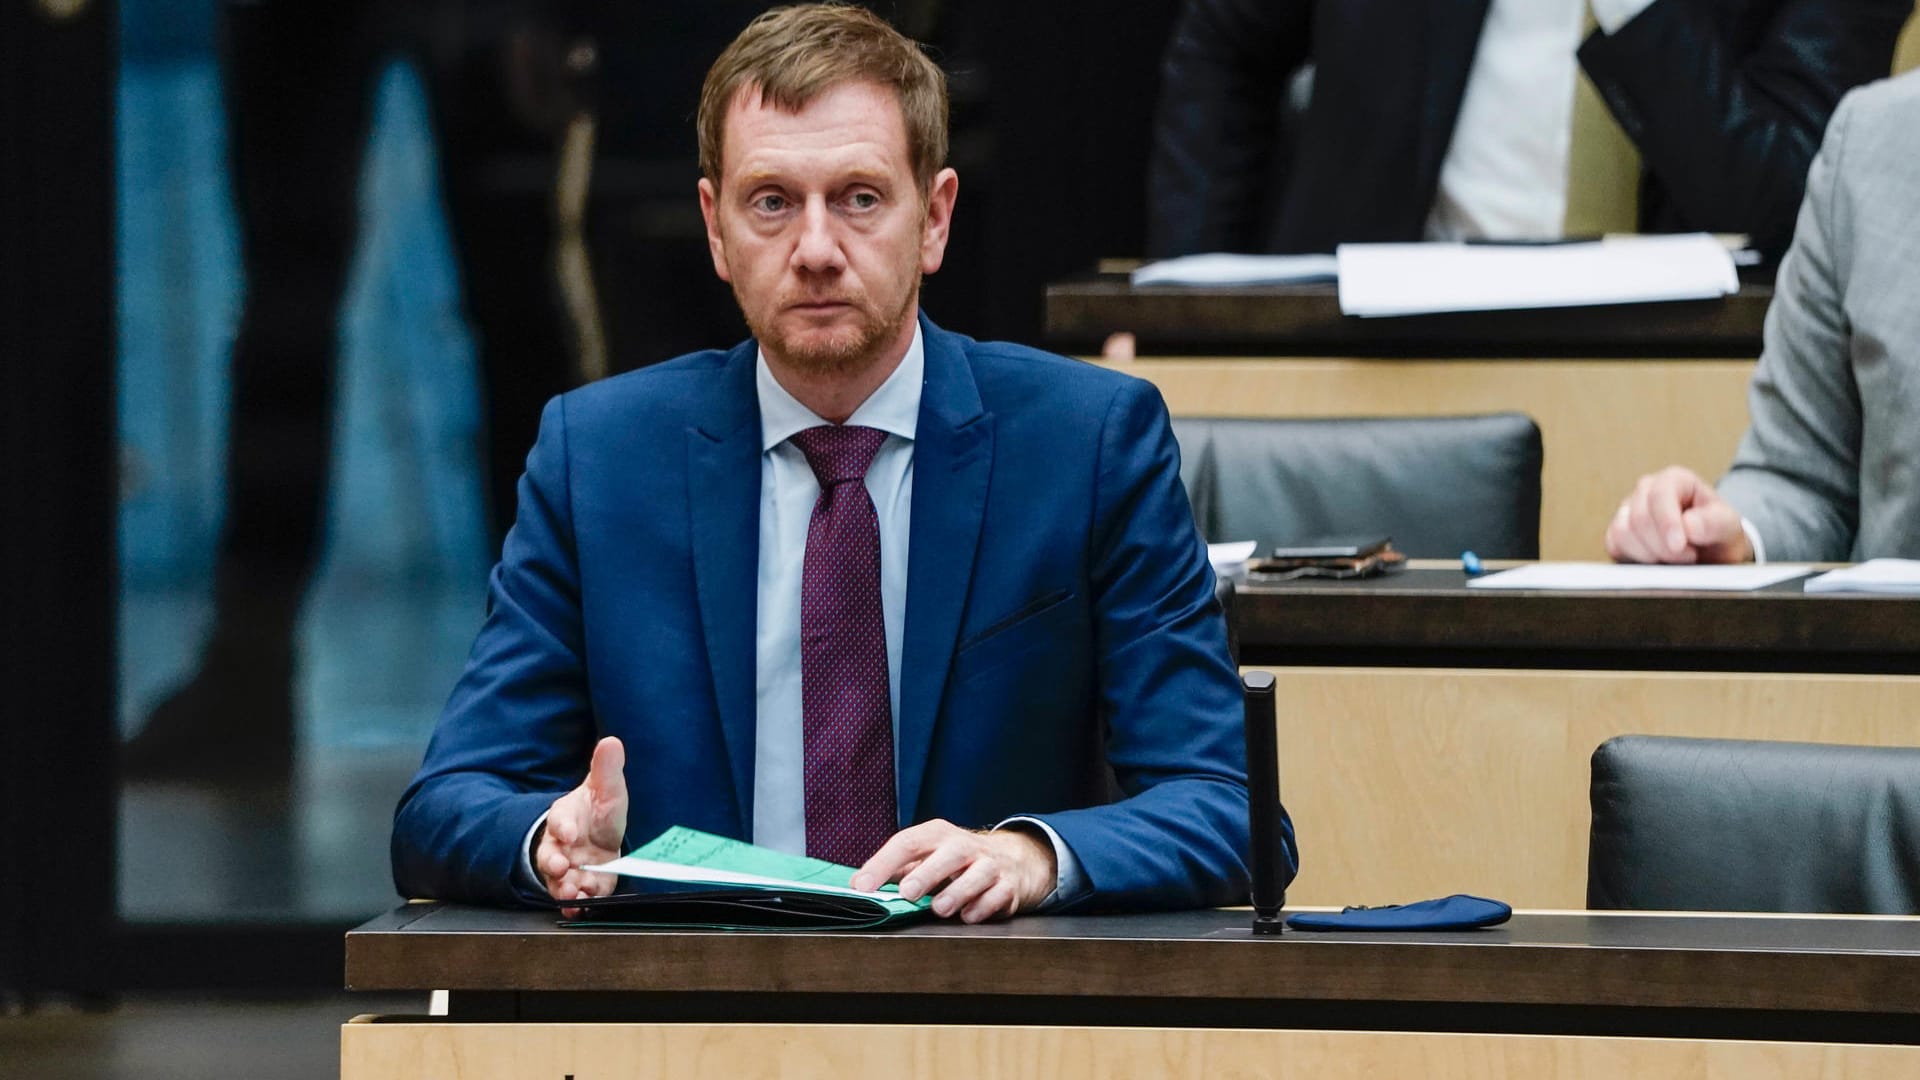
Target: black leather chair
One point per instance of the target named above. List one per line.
(1739, 825)
(1437, 485)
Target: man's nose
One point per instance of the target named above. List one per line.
(817, 248)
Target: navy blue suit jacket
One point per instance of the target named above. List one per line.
(1061, 631)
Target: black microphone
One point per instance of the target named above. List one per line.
(1263, 802)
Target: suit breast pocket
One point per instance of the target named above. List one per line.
(1027, 629)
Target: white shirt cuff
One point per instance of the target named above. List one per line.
(1614, 14)
(528, 874)
(1753, 539)
(1069, 880)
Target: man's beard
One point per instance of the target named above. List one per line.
(846, 350)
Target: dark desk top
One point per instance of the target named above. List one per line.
(1429, 617)
(1550, 959)
(1305, 320)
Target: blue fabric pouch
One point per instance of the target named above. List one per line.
(1456, 912)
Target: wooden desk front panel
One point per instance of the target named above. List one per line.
(1604, 423)
(411, 1051)
(1408, 783)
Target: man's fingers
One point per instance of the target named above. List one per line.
(1671, 492)
(562, 827)
(1621, 544)
(1646, 519)
(1716, 532)
(606, 780)
(995, 902)
(945, 861)
(982, 874)
(901, 852)
(576, 883)
(1640, 522)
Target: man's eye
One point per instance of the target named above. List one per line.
(863, 200)
(769, 204)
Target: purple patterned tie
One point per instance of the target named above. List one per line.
(846, 718)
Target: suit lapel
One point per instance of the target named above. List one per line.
(952, 458)
(1452, 35)
(723, 498)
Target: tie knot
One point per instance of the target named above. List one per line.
(839, 452)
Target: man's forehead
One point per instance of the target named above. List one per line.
(849, 115)
(753, 95)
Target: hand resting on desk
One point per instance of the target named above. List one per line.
(986, 875)
(1673, 516)
(975, 876)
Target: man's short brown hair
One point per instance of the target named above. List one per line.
(791, 55)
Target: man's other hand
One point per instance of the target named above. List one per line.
(584, 827)
(1673, 516)
(974, 875)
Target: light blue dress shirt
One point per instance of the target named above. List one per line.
(788, 491)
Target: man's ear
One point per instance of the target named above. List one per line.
(711, 214)
(933, 239)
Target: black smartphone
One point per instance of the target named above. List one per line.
(1337, 547)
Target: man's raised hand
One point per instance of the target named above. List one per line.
(585, 827)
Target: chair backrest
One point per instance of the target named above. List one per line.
(1742, 825)
(1437, 485)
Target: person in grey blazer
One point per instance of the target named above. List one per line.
(1829, 470)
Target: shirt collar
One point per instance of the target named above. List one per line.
(893, 408)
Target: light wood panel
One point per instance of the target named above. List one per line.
(1906, 55)
(393, 1051)
(1410, 783)
(1604, 423)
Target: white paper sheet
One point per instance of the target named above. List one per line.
(1608, 577)
(1895, 576)
(1221, 268)
(1419, 279)
(655, 870)
(1231, 556)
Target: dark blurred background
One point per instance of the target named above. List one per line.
(286, 285)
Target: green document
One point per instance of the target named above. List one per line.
(696, 879)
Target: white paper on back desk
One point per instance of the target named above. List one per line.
(1422, 279)
(1896, 576)
(1222, 268)
(1609, 577)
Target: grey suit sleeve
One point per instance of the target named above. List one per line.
(1796, 475)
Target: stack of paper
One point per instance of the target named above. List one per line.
(712, 881)
(1419, 279)
(1224, 269)
(1896, 576)
(1592, 577)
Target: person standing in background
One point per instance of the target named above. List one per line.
(1449, 119)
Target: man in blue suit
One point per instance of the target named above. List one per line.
(853, 581)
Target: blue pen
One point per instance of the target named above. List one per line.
(1471, 563)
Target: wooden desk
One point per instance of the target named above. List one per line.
(1305, 320)
(1427, 616)
(1617, 391)
(1435, 739)
(1185, 994)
